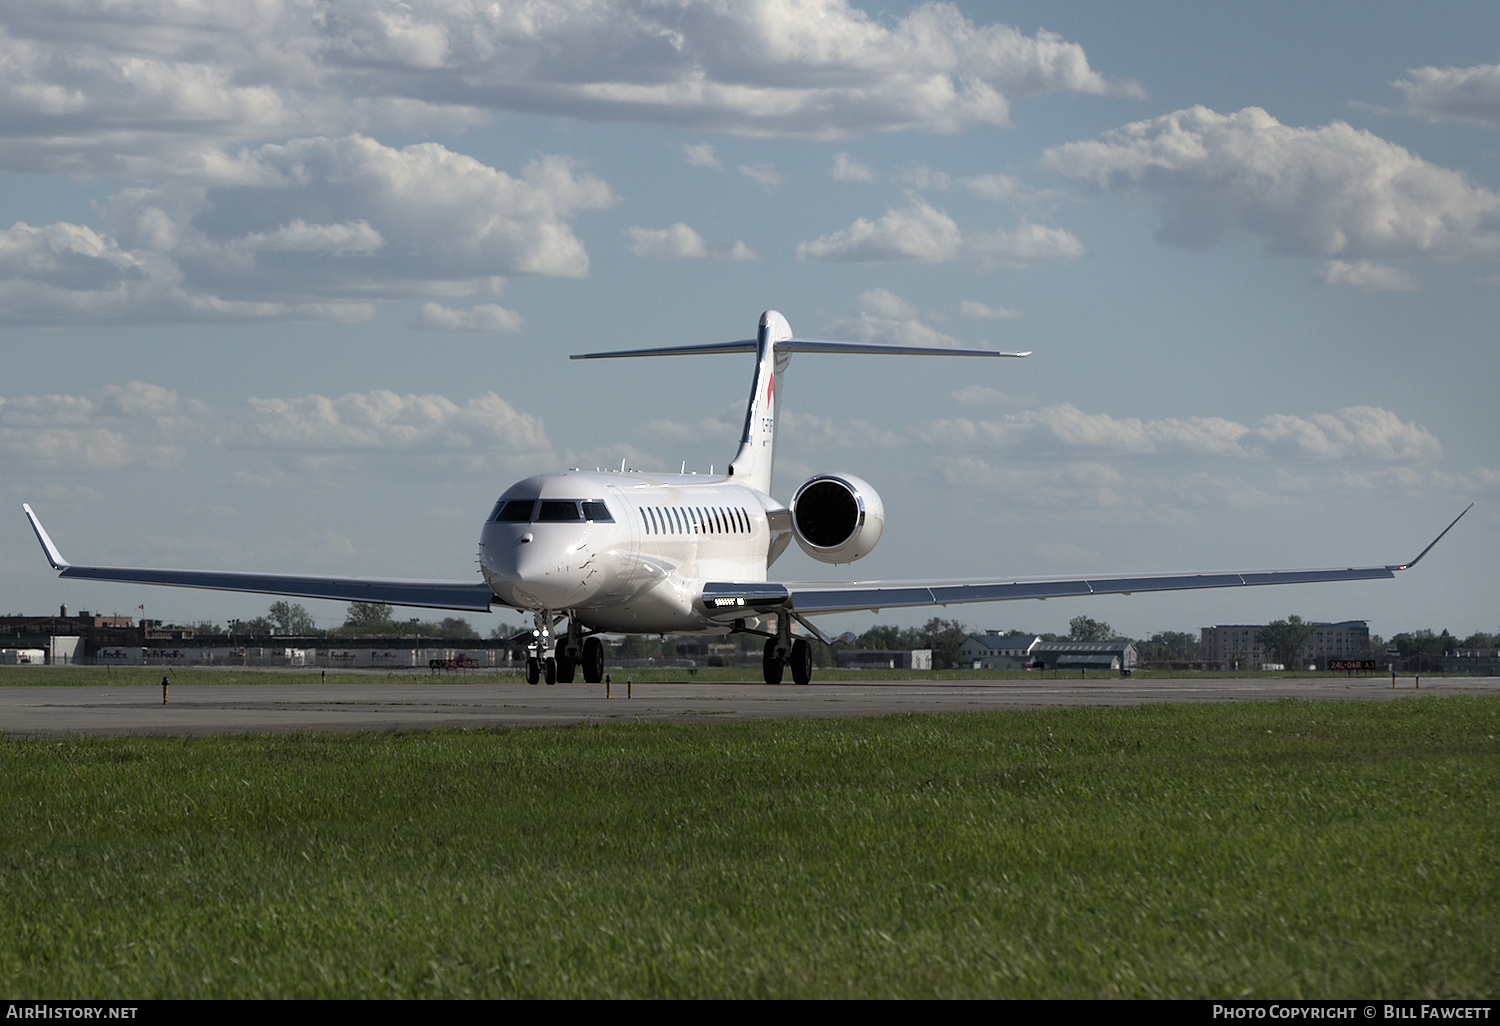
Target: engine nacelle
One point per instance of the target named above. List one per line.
(837, 518)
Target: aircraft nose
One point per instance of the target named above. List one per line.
(533, 571)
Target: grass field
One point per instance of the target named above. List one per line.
(1284, 849)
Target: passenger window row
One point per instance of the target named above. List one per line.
(696, 520)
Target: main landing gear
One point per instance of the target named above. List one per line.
(783, 652)
(576, 652)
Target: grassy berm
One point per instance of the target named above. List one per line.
(1294, 849)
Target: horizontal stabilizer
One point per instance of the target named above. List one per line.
(794, 345)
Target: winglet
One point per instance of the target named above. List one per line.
(53, 556)
(1408, 566)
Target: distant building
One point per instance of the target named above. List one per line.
(1085, 655)
(87, 639)
(1234, 645)
(1473, 662)
(1231, 645)
(882, 659)
(64, 639)
(1346, 640)
(998, 652)
(1030, 652)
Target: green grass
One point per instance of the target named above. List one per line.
(1283, 849)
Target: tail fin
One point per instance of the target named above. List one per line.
(752, 463)
(773, 347)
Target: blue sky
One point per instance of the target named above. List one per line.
(291, 286)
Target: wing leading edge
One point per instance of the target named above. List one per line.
(468, 596)
(816, 597)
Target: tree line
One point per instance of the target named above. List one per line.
(1286, 641)
(362, 619)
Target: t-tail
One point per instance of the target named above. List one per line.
(752, 464)
(773, 347)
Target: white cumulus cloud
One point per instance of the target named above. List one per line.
(384, 420)
(918, 232)
(130, 85)
(1334, 191)
(311, 229)
(882, 316)
(487, 317)
(761, 174)
(1366, 276)
(847, 169)
(139, 426)
(921, 233)
(701, 155)
(1357, 433)
(982, 311)
(1463, 94)
(680, 242)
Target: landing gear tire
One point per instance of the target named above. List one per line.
(593, 660)
(533, 670)
(802, 662)
(771, 665)
(565, 666)
(551, 669)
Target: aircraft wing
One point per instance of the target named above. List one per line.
(469, 596)
(816, 597)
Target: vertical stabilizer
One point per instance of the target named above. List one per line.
(752, 464)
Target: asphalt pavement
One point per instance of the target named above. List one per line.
(383, 703)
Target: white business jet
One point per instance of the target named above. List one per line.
(643, 553)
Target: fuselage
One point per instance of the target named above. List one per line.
(628, 552)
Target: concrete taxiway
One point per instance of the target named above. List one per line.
(419, 704)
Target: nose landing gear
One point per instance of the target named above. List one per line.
(538, 663)
(560, 662)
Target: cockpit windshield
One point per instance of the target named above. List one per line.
(558, 511)
(515, 511)
(552, 511)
